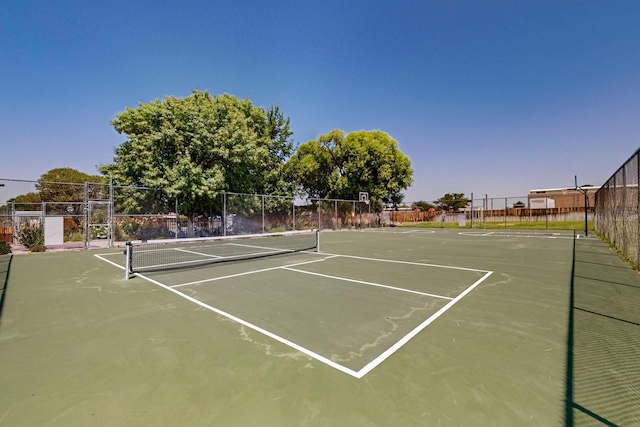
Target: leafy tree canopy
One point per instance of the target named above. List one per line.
(453, 201)
(30, 197)
(339, 166)
(67, 185)
(61, 185)
(197, 146)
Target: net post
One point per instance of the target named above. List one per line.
(127, 262)
(318, 240)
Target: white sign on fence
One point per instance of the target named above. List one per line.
(542, 203)
(53, 230)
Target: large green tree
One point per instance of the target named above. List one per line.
(67, 185)
(453, 201)
(197, 146)
(63, 185)
(339, 166)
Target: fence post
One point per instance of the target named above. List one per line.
(614, 230)
(472, 211)
(15, 224)
(224, 213)
(546, 212)
(505, 213)
(86, 215)
(637, 213)
(353, 213)
(625, 243)
(485, 207)
(177, 219)
(111, 213)
(43, 213)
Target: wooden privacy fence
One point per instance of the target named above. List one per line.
(525, 212)
(511, 214)
(6, 234)
(411, 216)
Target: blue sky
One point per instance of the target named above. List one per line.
(485, 97)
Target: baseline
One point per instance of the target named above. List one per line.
(412, 231)
(529, 235)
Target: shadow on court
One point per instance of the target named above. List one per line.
(603, 355)
(5, 266)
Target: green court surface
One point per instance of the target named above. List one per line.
(393, 327)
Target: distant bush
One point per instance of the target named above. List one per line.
(5, 248)
(32, 236)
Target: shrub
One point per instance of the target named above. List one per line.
(100, 232)
(32, 236)
(37, 248)
(5, 248)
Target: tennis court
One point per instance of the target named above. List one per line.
(389, 327)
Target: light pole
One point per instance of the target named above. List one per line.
(586, 206)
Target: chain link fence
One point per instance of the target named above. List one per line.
(94, 215)
(618, 209)
(67, 211)
(496, 212)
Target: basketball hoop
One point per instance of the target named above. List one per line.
(364, 197)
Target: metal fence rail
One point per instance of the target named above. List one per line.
(93, 215)
(103, 215)
(618, 209)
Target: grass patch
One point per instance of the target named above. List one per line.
(524, 225)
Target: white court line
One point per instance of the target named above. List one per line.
(378, 360)
(407, 262)
(368, 367)
(250, 272)
(357, 374)
(516, 234)
(110, 262)
(197, 253)
(196, 261)
(242, 245)
(121, 253)
(397, 232)
(345, 279)
(256, 328)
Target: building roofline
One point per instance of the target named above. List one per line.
(588, 187)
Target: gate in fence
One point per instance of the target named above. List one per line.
(98, 224)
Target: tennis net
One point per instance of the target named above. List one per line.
(170, 254)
